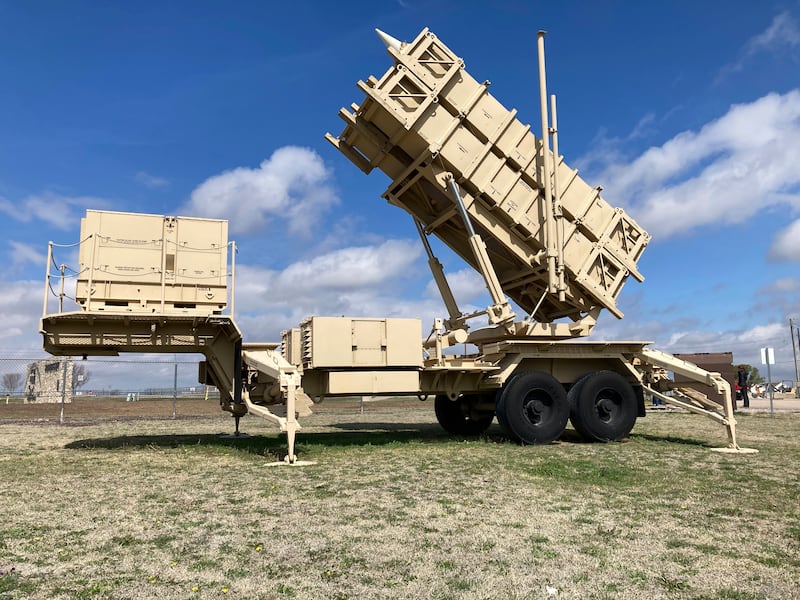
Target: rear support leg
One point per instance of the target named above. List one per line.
(291, 424)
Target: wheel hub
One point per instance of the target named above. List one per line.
(606, 406)
(535, 408)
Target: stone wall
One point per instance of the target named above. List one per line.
(45, 380)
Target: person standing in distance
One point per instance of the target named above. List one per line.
(741, 378)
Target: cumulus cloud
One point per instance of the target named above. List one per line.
(292, 185)
(786, 245)
(739, 164)
(20, 309)
(682, 336)
(367, 281)
(745, 344)
(318, 284)
(53, 209)
(351, 268)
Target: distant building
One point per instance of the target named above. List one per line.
(45, 380)
(719, 362)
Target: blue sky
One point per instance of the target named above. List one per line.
(687, 113)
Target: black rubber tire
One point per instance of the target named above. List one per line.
(459, 416)
(533, 408)
(603, 407)
(572, 395)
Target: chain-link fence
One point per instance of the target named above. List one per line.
(67, 387)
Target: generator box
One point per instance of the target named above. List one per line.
(345, 342)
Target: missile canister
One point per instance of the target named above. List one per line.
(427, 118)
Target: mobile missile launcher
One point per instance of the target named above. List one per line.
(468, 172)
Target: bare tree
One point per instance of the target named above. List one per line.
(11, 381)
(80, 376)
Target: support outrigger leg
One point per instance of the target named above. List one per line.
(273, 366)
(291, 425)
(694, 400)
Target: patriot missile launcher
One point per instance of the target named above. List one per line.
(467, 171)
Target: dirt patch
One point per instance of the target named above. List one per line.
(98, 408)
(86, 410)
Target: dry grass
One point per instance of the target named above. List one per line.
(396, 509)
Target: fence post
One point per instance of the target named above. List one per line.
(175, 393)
(63, 389)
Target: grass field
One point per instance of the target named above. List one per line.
(393, 508)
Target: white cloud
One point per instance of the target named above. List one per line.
(22, 254)
(745, 344)
(54, 209)
(733, 167)
(786, 245)
(365, 281)
(787, 285)
(762, 334)
(351, 268)
(292, 185)
(20, 309)
(467, 286)
(335, 273)
(150, 181)
(783, 34)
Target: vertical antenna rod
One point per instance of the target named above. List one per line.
(549, 229)
(558, 211)
(794, 353)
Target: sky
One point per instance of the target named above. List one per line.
(687, 113)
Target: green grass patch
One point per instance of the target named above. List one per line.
(394, 507)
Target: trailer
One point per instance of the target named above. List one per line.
(467, 171)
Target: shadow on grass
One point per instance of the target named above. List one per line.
(253, 444)
(352, 435)
(348, 435)
(670, 439)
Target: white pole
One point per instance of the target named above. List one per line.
(233, 279)
(47, 277)
(175, 393)
(63, 389)
(550, 245)
(794, 353)
(797, 383)
(558, 213)
(769, 385)
(63, 269)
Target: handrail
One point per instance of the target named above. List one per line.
(47, 277)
